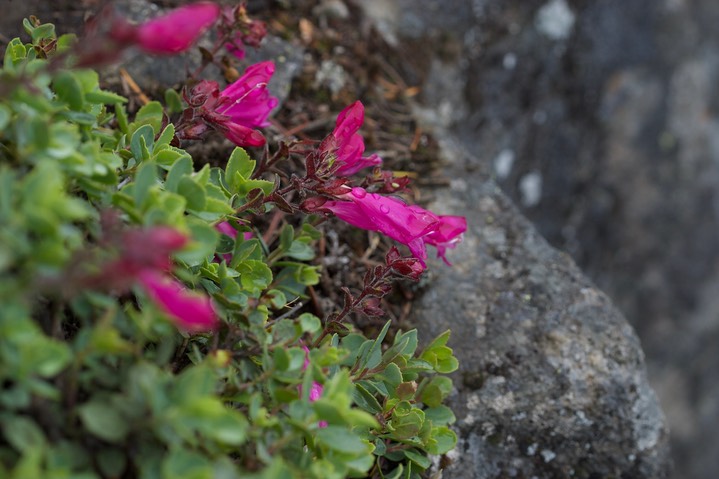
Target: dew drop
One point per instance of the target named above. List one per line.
(384, 209)
(359, 193)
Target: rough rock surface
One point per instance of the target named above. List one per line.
(552, 380)
(600, 121)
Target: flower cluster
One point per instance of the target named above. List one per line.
(408, 224)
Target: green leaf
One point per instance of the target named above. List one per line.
(193, 193)
(440, 340)
(286, 237)
(150, 114)
(417, 458)
(5, 115)
(141, 143)
(391, 375)
(204, 242)
(66, 41)
(366, 400)
(238, 164)
(104, 97)
(411, 346)
(167, 135)
(408, 425)
(307, 275)
(15, 53)
(434, 392)
(341, 439)
(103, 420)
(396, 473)
(440, 415)
(186, 464)
(89, 79)
(47, 357)
(442, 440)
(255, 276)
(309, 323)
(112, 462)
(181, 168)
(406, 390)
(145, 178)
(281, 359)
(173, 101)
(301, 251)
(193, 382)
(209, 417)
(69, 90)
(168, 156)
(27, 26)
(121, 115)
(245, 186)
(43, 32)
(22, 433)
(277, 298)
(374, 355)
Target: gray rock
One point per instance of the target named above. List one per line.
(612, 118)
(552, 380)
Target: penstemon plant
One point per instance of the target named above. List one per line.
(153, 321)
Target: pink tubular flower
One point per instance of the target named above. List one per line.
(177, 30)
(411, 225)
(349, 143)
(241, 135)
(190, 311)
(247, 101)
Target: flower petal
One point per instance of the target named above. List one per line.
(190, 311)
(247, 101)
(178, 30)
(350, 144)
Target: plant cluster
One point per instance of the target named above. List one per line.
(152, 321)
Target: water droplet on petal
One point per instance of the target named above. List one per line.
(384, 209)
(359, 193)
(375, 196)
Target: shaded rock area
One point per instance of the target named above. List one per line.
(600, 121)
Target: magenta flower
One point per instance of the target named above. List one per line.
(190, 311)
(241, 135)
(236, 112)
(177, 30)
(411, 225)
(349, 145)
(247, 101)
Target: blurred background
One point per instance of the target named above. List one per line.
(600, 119)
